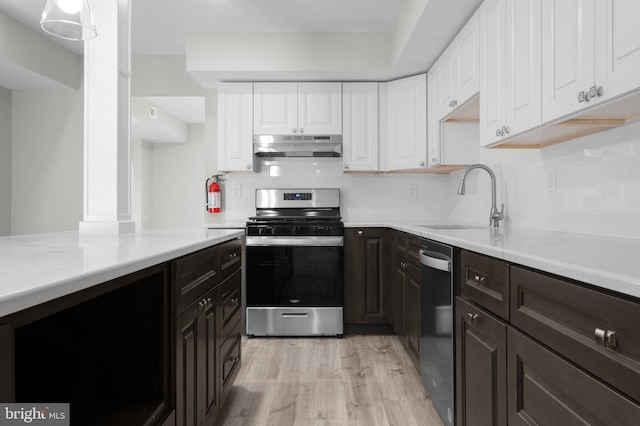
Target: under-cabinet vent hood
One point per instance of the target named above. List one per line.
(276, 146)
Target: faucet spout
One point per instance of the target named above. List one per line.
(495, 215)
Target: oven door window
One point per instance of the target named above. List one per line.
(295, 276)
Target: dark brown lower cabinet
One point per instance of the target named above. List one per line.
(481, 371)
(412, 319)
(544, 389)
(196, 362)
(207, 337)
(368, 297)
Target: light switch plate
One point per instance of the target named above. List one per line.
(551, 179)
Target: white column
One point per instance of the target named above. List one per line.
(107, 166)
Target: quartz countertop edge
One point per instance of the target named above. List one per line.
(605, 262)
(37, 268)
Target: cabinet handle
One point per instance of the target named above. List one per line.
(480, 280)
(360, 233)
(472, 317)
(346, 166)
(422, 164)
(606, 338)
(235, 302)
(248, 166)
(202, 304)
(592, 93)
(507, 130)
(294, 130)
(301, 130)
(233, 256)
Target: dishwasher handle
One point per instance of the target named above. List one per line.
(435, 260)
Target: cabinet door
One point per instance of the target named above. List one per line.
(412, 321)
(492, 70)
(400, 277)
(568, 61)
(446, 69)
(368, 297)
(235, 126)
(617, 47)
(187, 367)
(481, 367)
(197, 383)
(467, 65)
(407, 123)
(360, 126)
(320, 108)
(208, 361)
(523, 67)
(275, 108)
(544, 389)
(434, 125)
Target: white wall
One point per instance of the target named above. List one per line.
(5, 161)
(179, 182)
(47, 164)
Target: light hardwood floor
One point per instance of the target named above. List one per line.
(357, 380)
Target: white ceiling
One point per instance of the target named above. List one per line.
(162, 27)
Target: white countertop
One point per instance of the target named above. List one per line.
(41, 267)
(606, 262)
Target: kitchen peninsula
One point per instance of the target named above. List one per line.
(104, 322)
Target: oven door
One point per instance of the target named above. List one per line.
(294, 285)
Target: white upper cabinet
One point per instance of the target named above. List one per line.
(592, 53)
(235, 127)
(568, 37)
(458, 69)
(297, 108)
(510, 70)
(407, 123)
(360, 127)
(617, 47)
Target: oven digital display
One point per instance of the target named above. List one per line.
(294, 196)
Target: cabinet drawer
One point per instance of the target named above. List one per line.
(230, 257)
(230, 309)
(544, 389)
(193, 275)
(485, 281)
(567, 317)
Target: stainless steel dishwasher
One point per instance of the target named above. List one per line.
(436, 327)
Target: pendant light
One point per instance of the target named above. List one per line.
(69, 19)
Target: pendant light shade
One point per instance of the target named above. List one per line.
(69, 19)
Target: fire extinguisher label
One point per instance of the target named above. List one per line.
(214, 202)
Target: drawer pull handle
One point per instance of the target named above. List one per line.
(606, 338)
(472, 317)
(235, 302)
(480, 280)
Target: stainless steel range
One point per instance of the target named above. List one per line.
(294, 258)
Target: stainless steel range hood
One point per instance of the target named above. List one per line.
(278, 146)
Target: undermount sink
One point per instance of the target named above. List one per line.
(454, 226)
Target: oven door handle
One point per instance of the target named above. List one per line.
(301, 241)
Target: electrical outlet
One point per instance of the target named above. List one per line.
(413, 191)
(551, 179)
(236, 190)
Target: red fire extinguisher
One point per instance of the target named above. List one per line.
(213, 195)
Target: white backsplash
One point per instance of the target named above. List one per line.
(590, 185)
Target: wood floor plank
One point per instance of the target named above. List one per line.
(357, 380)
